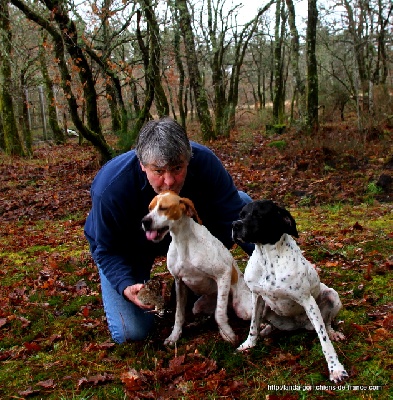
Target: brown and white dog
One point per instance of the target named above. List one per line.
(199, 260)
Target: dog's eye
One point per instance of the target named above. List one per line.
(162, 208)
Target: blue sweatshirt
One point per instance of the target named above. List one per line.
(121, 195)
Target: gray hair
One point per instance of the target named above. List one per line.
(163, 142)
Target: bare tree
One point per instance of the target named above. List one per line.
(196, 81)
(357, 46)
(299, 86)
(279, 62)
(12, 142)
(312, 67)
(65, 34)
(58, 133)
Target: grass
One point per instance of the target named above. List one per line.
(55, 344)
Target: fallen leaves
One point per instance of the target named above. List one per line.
(43, 203)
(191, 375)
(52, 190)
(48, 384)
(94, 380)
(32, 347)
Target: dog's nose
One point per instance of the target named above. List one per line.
(236, 224)
(146, 223)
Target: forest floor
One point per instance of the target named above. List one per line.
(54, 341)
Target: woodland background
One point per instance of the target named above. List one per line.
(107, 67)
(303, 117)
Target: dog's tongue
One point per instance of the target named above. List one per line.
(151, 235)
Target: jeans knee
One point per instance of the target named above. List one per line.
(126, 321)
(133, 336)
(131, 328)
(245, 197)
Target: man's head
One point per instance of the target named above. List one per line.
(164, 152)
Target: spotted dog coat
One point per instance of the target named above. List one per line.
(198, 260)
(286, 290)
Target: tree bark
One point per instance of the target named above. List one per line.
(181, 96)
(299, 86)
(58, 134)
(312, 67)
(12, 142)
(154, 73)
(279, 87)
(70, 37)
(95, 137)
(196, 82)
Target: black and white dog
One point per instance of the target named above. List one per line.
(286, 290)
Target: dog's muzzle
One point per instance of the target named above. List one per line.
(146, 223)
(155, 235)
(237, 229)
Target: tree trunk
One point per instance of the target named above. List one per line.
(359, 44)
(181, 96)
(196, 82)
(95, 137)
(58, 134)
(12, 142)
(381, 69)
(312, 68)
(154, 73)
(279, 90)
(148, 58)
(24, 113)
(70, 38)
(299, 86)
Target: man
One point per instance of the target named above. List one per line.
(164, 159)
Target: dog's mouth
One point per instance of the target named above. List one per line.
(237, 232)
(237, 239)
(157, 235)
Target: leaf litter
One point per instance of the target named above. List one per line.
(43, 205)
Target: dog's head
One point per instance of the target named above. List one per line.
(164, 210)
(263, 222)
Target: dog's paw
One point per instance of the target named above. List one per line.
(228, 335)
(169, 342)
(172, 339)
(265, 330)
(247, 345)
(336, 336)
(339, 375)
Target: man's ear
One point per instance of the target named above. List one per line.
(142, 167)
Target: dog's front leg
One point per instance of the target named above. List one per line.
(181, 300)
(337, 372)
(223, 287)
(258, 306)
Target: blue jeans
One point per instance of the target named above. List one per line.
(126, 321)
(245, 197)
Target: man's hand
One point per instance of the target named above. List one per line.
(131, 293)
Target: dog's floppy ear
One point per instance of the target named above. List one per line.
(153, 203)
(190, 209)
(288, 221)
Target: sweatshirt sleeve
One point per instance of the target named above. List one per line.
(118, 245)
(107, 251)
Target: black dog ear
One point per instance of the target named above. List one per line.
(289, 222)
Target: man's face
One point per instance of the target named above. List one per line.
(166, 178)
